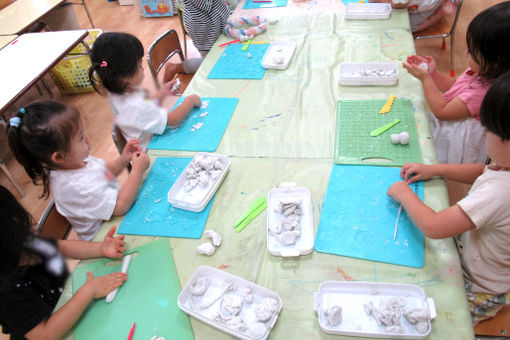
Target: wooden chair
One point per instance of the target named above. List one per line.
(498, 326)
(161, 50)
(52, 224)
(450, 33)
(119, 141)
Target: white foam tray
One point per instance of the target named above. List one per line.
(351, 73)
(283, 49)
(190, 304)
(198, 198)
(351, 296)
(304, 243)
(368, 11)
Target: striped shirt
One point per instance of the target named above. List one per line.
(204, 21)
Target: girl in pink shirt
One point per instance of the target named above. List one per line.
(455, 104)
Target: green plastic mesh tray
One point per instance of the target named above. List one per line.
(355, 119)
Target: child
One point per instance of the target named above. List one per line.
(47, 139)
(455, 122)
(204, 20)
(33, 273)
(482, 219)
(117, 60)
(423, 13)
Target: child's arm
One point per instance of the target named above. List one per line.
(118, 164)
(180, 112)
(111, 246)
(442, 80)
(63, 319)
(465, 173)
(127, 194)
(453, 110)
(446, 223)
(165, 91)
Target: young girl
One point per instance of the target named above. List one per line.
(117, 60)
(33, 273)
(455, 122)
(204, 21)
(482, 219)
(47, 139)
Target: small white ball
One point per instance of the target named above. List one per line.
(404, 138)
(424, 66)
(395, 138)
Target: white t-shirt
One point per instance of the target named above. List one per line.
(137, 116)
(485, 251)
(85, 196)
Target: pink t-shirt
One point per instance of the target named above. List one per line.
(470, 90)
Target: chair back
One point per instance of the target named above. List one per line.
(119, 141)
(52, 224)
(161, 50)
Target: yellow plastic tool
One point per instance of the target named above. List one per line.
(387, 107)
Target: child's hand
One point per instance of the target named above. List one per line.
(418, 60)
(412, 172)
(195, 100)
(113, 247)
(399, 190)
(100, 286)
(167, 88)
(416, 71)
(140, 161)
(132, 148)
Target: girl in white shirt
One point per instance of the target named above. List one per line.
(47, 139)
(117, 61)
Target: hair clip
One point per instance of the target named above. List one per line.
(103, 64)
(22, 110)
(15, 121)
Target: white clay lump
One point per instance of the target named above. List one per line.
(400, 138)
(289, 229)
(214, 236)
(388, 314)
(203, 170)
(200, 286)
(334, 315)
(206, 248)
(424, 66)
(266, 309)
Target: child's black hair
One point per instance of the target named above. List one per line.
(495, 109)
(44, 128)
(16, 226)
(488, 38)
(115, 57)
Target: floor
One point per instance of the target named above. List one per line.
(96, 112)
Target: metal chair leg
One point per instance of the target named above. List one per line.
(88, 13)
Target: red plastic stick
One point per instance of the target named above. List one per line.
(228, 43)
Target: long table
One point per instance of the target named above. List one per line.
(298, 146)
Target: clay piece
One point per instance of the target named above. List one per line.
(288, 238)
(203, 170)
(204, 114)
(236, 323)
(420, 318)
(388, 314)
(155, 337)
(395, 138)
(198, 125)
(257, 329)
(206, 248)
(290, 224)
(205, 103)
(227, 287)
(176, 86)
(375, 72)
(200, 286)
(266, 309)
(424, 66)
(400, 138)
(334, 314)
(248, 295)
(214, 236)
(231, 305)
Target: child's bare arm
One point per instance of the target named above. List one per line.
(111, 246)
(63, 319)
(127, 194)
(118, 164)
(442, 80)
(465, 173)
(446, 223)
(454, 110)
(180, 112)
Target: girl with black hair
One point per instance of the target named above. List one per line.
(455, 119)
(117, 61)
(33, 274)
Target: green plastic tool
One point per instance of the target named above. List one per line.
(384, 128)
(255, 208)
(245, 46)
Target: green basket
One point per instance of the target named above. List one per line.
(71, 75)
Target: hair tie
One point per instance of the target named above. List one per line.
(103, 64)
(15, 121)
(22, 110)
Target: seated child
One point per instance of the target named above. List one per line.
(480, 221)
(117, 60)
(33, 274)
(47, 140)
(455, 104)
(423, 13)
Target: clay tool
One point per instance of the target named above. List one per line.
(228, 43)
(125, 265)
(396, 224)
(361, 2)
(384, 128)
(387, 107)
(245, 47)
(132, 331)
(259, 42)
(255, 208)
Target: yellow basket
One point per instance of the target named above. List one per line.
(71, 75)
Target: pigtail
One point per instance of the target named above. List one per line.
(93, 77)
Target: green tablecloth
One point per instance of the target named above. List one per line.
(297, 146)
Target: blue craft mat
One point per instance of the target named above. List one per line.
(153, 215)
(249, 4)
(235, 64)
(352, 1)
(208, 137)
(358, 217)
